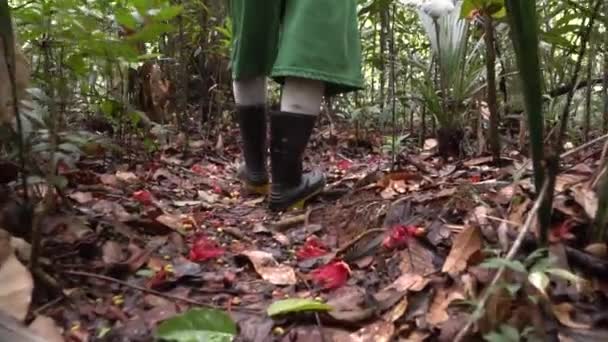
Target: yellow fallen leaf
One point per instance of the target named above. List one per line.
(467, 243)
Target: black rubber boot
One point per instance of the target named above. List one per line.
(252, 124)
(289, 135)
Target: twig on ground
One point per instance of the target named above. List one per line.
(290, 221)
(150, 291)
(512, 252)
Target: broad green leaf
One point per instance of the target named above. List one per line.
(296, 305)
(499, 262)
(198, 325)
(167, 13)
(539, 280)
(125, 18)
(565, 274)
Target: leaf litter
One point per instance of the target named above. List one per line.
(396, 255)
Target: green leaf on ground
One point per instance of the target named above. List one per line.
(296, 305)
(198, 325)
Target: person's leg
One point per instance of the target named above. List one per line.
(256, 30)
(290, 131)
(319, 53)
(250, 99)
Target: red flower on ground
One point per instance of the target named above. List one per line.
(562, 232)
(198, 169)
(344, 165)
(331, 276)
(143, 196)
(312, 248)
(204, 249)
(400, 236)
(158, 279)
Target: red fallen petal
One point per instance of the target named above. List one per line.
(312, 248)
(331, 276)
(400, 236)
(204, 249)
(475, 179)
(158, 279)
(562, 232)
(344, 165)
(217, 189)
(143, 197)
(198, 169)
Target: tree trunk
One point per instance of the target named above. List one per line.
(494, 135)
(605, 86)
(588, 92)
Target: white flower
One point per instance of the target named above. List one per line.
(437, 8)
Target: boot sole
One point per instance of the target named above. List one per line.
(301, 203)
(258, 189)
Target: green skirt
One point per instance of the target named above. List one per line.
(312, 39)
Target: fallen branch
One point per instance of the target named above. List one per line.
(512, 252)
(291, 221)
(146, 290)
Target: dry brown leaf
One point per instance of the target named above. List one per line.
(417, 259)
(81, 197)
(112, 252)
(127, 177)
(172, 221)
(438, 311)
(563, 313)
(430, 144)
(380, 331)
(46, 328)
(109, 180)
(586, 198)
(396, 312)
(16, 286)
(113, 209)
(599, 250)
(408, 281)
(465, 245)
(567, 180)
(417, 336)
(478, 161)
(270, 270)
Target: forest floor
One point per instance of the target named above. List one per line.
(411, 251)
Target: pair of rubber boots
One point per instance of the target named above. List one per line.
(289, 135)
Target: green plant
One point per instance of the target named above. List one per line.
(459, 72)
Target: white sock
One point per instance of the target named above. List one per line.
(302, 96)
(250, 92)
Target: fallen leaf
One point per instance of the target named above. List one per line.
(270, 270)
(127, 177)
(418, 336)
(331, 276)
(397, 311)
(198, 325)
(204, 249)
(81, 197)
(380, 331)
(438, 310)
(45, 327)
(16, 286)
(563, 312)
(112, 252)
(172, 221)
(109, 208)
(430, 144)
(293, 305)
(467, 243)
(312, 248)
(586, 198)
(109, 180)
(599, 250)
(478, 161)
